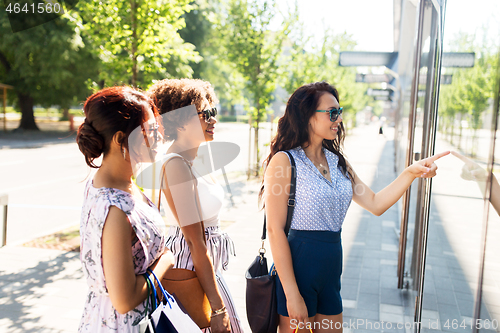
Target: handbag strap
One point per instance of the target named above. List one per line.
(166, 296)
(291, 199)
(152, 296)
(148, 298)
(196, 195)
(297, 329)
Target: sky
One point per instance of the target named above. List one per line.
(371, 21)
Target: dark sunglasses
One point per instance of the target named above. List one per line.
(146, 130)
(334, 113)
(209, 113)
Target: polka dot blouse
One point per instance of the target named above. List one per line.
(319, 203)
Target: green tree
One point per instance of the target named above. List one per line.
(201, 31)
(311, 63)
(255, 50)
(228, 83)
(138, 40)
(47, 65)
(471, 89)
(197, 31)
(449, 108)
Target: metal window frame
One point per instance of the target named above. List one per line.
(434, 62)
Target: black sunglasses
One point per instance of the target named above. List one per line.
(334, 113)
(146, 130)
(209, 113)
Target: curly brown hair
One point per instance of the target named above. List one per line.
(172, 94)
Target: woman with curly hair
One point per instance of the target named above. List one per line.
(309, 260)
(121, 230)
(188, 110)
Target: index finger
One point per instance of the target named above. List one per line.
(438, 156)
(461, 157)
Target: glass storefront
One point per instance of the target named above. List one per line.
(448, 267)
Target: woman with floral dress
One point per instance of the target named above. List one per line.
(121, 230)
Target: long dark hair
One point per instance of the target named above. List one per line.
(293, 127)
(106, 112)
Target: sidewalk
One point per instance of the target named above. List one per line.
(44, 290)
(51, 131)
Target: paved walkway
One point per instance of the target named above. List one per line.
(51, 131)
(44, 290)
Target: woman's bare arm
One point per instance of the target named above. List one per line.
(179, 190)
(126, 290)
(277, 189)
(378, 203)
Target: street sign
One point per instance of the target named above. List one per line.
(387, 59)
(378, 92)
(373, 78)
(382, 98)
(356, 58)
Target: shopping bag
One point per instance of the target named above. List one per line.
(146, 325)
(169, 314)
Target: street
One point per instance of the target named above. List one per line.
(45, 184)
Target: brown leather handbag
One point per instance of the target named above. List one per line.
(185, 286)
(184, 283)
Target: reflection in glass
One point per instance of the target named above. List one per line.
(489, 318)
(455, 235)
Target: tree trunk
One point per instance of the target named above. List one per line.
(452, 131)
(134, 44)
(65, 114)
(473, 148)
(256, 148)
(460, 133)
(449, 129)
(27, 113)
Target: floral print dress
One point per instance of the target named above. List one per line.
(99, 315)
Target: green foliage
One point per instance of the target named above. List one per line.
(138, 40)
(202, 29)
(311, 63)
(47, 65)
(228, 83)
(471, 87)
(255, 50)
(468, 96)
(198, 31)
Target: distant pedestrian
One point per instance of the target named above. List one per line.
(121, 230)
(194, 200)
(309, 262)
(381, 125)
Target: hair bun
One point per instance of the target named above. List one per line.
(90, 143)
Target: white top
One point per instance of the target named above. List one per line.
(211, 195)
